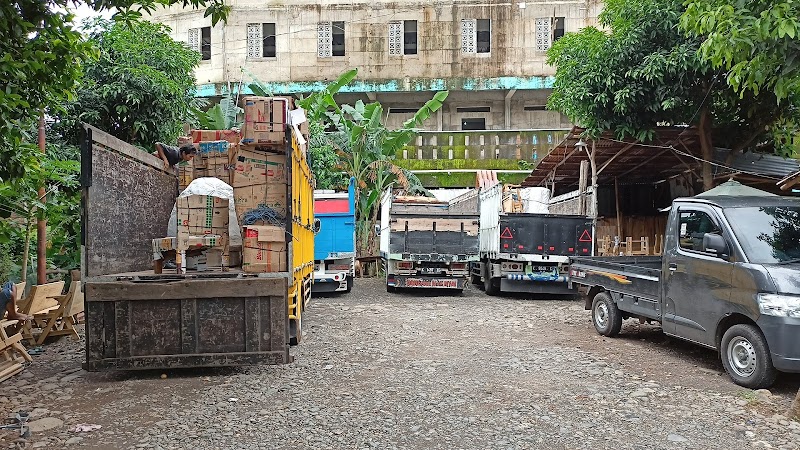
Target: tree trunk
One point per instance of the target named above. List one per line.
(794, 412)
(704, 134)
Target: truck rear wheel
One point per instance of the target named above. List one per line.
(390, 289)
(296, 329)
(606, 317)
(493, 286)
(745, 356)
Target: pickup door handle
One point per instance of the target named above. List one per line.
(673, 267)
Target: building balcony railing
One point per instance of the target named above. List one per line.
(451, 158)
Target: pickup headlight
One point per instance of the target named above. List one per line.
(779, 305)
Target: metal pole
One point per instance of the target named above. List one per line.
(41, 223)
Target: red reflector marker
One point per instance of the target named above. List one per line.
(552, 248)
(572, 249)
(539, 248)
(521, 247)
(586, 250)
(505, 245)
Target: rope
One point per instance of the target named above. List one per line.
(263, 214)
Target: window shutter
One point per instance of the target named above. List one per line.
(544, 34)
(255, 40)
(194, 39)
(324, 40)
(395, 38)
(468, 36)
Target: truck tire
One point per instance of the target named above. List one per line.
(745, 356)
(475, 281)
(493, 286)
(606, 317)
(391, 289)
(349, 284)
(296, 330)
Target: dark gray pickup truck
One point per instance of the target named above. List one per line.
(729, 279)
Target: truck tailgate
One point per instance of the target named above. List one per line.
(545, 234)
(636, 276)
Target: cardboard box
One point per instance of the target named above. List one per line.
(204, 218)
(185, 174)
(217, 147)
(232, 136)
(255, 168)
(266, 138)
(201, 202)
(213, 165)
(266, 109)
(264, 249)
(251, 197)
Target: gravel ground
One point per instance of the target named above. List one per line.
(378, 370)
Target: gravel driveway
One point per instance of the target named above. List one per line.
(378, 370)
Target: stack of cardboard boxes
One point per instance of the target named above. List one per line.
(260, 183)
(254, 162)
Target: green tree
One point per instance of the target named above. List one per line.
(757, 43)
(644, 73)
(41, 60)
(139, 89)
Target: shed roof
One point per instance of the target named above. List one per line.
(627, 160)
(674, 150)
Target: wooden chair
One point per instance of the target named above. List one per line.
(658, 247)
(605, 246)
(638, 247)
(62, 321)
(40, 300)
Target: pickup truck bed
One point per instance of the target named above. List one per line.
(634, 276)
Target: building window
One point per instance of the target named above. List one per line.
(473, 124)
(403, 110)
(330, 39)
(535, 108)
(403, 38)
(548, 30)
(261, 40)
(476, 36)
(473, 109)
(200, 41)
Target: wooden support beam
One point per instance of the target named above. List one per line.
(619, 214)
(644, 162)
(678, 156)
(614, 156)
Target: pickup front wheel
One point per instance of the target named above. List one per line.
(606, 316)
(746, 357)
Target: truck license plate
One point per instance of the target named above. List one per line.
(430, 269)
(540, 269)
(431, 283)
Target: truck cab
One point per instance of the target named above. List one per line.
(335, 242)
(729, 279)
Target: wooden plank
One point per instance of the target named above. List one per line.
(188, 325)
(276, 321)
(422, 224)
(122, 327)
(190, 361)
(124, 148)
(252, 324)
(100, 291)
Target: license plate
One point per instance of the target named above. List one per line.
(431, 283)
(431, 269)
(540, 269)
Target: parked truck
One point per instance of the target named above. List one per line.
(137, 319)
(525, 252)
(335, 243)
(424, 244)
(729, 279)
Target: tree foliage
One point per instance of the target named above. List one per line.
(140, 88)
(41, 60)
(644, 72)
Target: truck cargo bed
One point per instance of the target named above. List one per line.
(635, 276)
(186, 323)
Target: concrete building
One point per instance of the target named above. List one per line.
(490, 55)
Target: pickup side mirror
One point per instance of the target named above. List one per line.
(317, 225)
(715, 244)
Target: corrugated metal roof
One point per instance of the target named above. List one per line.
(759, 163)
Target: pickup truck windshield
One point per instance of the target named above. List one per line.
(769, 234)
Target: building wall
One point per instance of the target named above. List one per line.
(513, 50)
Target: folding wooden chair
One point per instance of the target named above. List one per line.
(40, 300)
(638, 247)
(61, 321)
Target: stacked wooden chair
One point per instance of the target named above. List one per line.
(12, 353)
(62, 320)
(41, 300)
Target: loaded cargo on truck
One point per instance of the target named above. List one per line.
(335, 243)
(524, 252)
(228, 306)
(729, 279)
(424, 244)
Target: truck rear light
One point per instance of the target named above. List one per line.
(540, 248)
(405, 265)
(458, 266)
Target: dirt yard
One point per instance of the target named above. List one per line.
(411, 371)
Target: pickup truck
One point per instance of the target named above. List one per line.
(729, 279)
